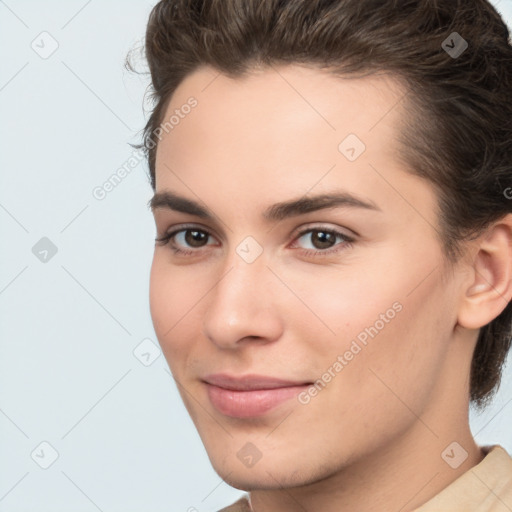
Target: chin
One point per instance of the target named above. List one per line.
(264, 475)
(247, 481)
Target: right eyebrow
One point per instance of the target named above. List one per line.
(276, 212)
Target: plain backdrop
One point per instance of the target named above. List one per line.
(90, 418)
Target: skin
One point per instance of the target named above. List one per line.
(372, 439)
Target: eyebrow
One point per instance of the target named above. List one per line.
(276, 212)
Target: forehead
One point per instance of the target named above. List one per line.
(283, 131)
(274, 110)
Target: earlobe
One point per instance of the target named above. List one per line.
(490, 289)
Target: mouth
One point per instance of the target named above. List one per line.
(250, 396)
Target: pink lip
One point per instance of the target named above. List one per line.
(250, 395)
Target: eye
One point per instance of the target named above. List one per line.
(185, 237)
(322, 240)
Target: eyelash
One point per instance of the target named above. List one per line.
(166, 239)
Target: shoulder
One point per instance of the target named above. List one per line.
(486, 487)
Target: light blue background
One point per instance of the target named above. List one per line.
(68, 375)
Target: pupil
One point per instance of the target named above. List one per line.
(324, 238)
(192, 237)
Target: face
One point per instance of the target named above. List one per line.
(300, 300)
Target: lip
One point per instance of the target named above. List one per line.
(250, 396)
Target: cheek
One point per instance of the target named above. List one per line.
(159, 301)
(340, 303)
(391, 325)
(400, 360)
(169, 302)
(367, 297)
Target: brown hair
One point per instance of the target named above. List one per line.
(459, 131)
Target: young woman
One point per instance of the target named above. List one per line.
(332, 274)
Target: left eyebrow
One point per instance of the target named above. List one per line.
(303, 205)
(273, 213)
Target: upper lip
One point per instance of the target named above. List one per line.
(250, 382)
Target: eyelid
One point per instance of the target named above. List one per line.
(319, 226)
(190, 225)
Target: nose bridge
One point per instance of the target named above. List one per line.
(244, 271)
(241, 303)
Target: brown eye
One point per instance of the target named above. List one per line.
(322, 239)
(186, 240)
(195, 238)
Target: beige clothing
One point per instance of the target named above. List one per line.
(486, 487)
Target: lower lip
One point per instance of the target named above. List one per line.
(249, 404)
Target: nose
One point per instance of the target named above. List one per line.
(243, 306)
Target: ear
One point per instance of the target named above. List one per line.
(490, 286)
